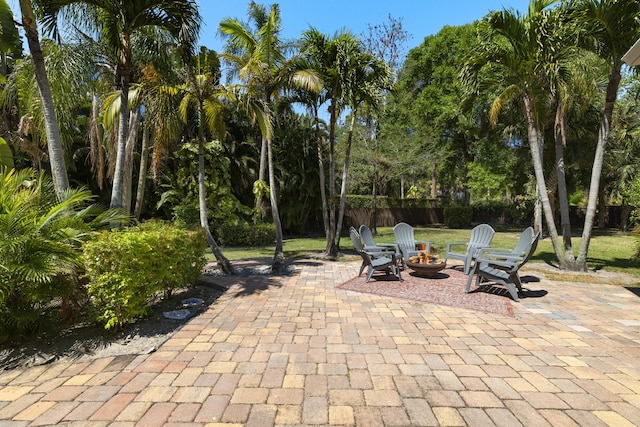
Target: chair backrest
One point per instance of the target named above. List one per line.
(357, 244)
(530, 251)
(405, 239)
(355, 239)
(366, 236)
(481, 235)
(524, 243)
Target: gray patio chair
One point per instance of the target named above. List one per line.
(503, 269)
(374, 261)
(481, 237)
(371, 245)
(406, 242)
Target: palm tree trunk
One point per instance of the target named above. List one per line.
(278, 257)
(331, 250)
(563, 199)
(223, 262)
(127, 184)
(95, 139)
(596, 170)
(118, 174)
(345, 175)
(536, 154)
(52, 128)
(142, 174)
(262, 177)
(323, 193)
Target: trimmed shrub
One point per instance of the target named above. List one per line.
(127, 269)
(458, 216)
(247, 235)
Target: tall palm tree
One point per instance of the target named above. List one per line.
(510, 56)
(260, 63)
(202, 102)
(52, 129)
(350, 77)
(614, 26)
(117, 21)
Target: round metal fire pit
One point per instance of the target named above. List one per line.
(427, 269)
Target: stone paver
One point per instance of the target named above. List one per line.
(294, 350)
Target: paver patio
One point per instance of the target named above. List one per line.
(294, 350)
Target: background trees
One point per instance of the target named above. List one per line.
(537, 103)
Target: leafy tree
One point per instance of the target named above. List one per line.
(117, 22)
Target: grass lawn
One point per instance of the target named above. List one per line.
(609, 250)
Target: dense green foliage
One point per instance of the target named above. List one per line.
(129, 269)
(458, 216)
(40, 248)
(247, 235)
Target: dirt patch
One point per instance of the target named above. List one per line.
(90, 340)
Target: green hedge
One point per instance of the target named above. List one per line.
(458, 216)
(127, 269)
(355, 202)
(247, 235)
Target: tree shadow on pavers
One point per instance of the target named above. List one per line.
(88, 339)
(634, 290)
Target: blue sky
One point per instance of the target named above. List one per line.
(420, 18)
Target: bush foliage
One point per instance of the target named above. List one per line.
(41, 234)
(128, 269)
(247, 235)
(458, 216)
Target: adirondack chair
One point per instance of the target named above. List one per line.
(518, 252)
(503, 269)
(374, 261)
(481, 237)
(406, 242)
(371, 245)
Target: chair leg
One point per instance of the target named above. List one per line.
(512, 290)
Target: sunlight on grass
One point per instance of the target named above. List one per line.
(609, 251)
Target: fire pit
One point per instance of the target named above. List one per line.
(424, 265)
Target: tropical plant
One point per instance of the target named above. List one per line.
(117, 21)
(41, 234)
(613, 27)
(512, 54)
(351, 76)
(260, 63)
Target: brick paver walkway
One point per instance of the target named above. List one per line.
(295, 351)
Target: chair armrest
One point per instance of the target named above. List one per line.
(497, 254)
(455, 244)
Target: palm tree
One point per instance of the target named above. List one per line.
(510, 54)
(202, 101)
(260, 63)
(117, 21)
(350, 77)
(52, 129)
(614, 26)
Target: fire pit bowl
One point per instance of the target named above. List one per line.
(427, 269)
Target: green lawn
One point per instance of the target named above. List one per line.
(609, 250)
